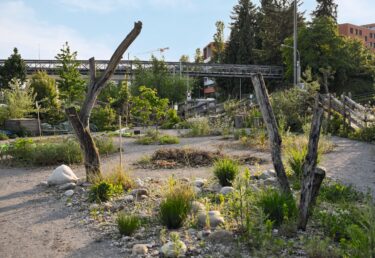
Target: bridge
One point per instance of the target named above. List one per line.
(186, 69)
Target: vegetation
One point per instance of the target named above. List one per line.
(226, 170)
(103, 191)
(14, 68)
(127, 224)
(20, 102)
(199, 126)
(104, 118)
(118, 176)
(176, 205)
(155, 137)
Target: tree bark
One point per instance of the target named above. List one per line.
(310, 190)
(273, 133)
(80, 122)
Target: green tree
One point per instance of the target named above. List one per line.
(20, 101)
(219, 43)
(148, 108)
(44, 88)
(327, 8)
(71, 85)
(184, 59)
(14, 68)
(198, 58)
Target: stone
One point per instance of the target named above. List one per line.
(44, 183)
(272, 181)
(67, 186)
(197, 190)
(214, 217)
(94, 206)
(215, 188)
(139, 183)
(107, 205)
(226, 190)
(267, 174)
(199, 182)
(139, 192)
(223, 237)
(139, 249)
(185, 179)
(62, 175)
(142, 197)
(197, 207)
(69, 193)
(128, 198)
(174, 249)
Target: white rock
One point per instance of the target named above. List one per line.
(172, 249)
(67, 186)
(199, 182)
(44, 183)
(226, 190)
(214, 217)
(197, 190)
(139, 183)
(69, 193)
(215, 188)
(267, 174)
(61, 175)
(139, 249)
(197, 207)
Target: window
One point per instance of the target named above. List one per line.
(365, 38)
(360, 32)
(356, 31)
(351, 30)
(370, 35)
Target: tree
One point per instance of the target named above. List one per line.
(20, 102)
(198, 58)
(44, 88)
(184, 59)
(219, 43)
(80, 121)
(325, 8)
(14, 68)
(71, 85)
(148, 108)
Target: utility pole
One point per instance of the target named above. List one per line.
(295, 45)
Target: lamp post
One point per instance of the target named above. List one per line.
(295, 51)
(297, 65)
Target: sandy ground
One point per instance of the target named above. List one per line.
(34, 223)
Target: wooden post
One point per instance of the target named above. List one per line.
(273, 133)
(120, 135)
(344, 112)
(309, 188)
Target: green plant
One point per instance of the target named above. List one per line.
(127, 224)
(3, 136)
(20, 101)
(296, 159)
(105, 145)
(168, 139)
(226, 170)
(321, 248)
(176, 205)
(199, 126)
(155, 137)
(102, 191)
(103, 118)
(171, 119)
(277, 206)
(336, 192)
(118, 176)
(366, 134)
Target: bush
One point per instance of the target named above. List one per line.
(103, 117)
(105, 145)
(119, 177)
(103, 191)
(155, 137)
(127, 224)
(320, 248)
(277, 206)
(199, 126)
(226, 171)
(176, 205)
(337, 192)
(171, 119)
(3, 136)
(168, 139)
(296, 159)
(366, 134)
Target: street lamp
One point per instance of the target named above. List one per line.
(297, 65)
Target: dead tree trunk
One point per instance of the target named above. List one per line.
(80, 122)
(273, 133)
(312, 178)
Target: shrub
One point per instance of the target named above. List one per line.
(171, 119)
(168, 139)
(277, 206)
(296, 159)
(366, 134)
(105, 145)
(102, 191)
(103, 117)
(199, 126)
(337, 192)
(176, 205)
(119, 177)
(320, 248)
(3, 136)
(127, 224)
(154, 137)
(226, 171)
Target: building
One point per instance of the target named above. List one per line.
(209, 84)
(365, 33)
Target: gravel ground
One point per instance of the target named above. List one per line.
(34, 223)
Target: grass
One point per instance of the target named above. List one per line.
(119, 176)
(103, 191)
(226, 170)
(199, 126)
(155, 137)
(176, 205)
(335, 192)
(3, 136)
(127, 224)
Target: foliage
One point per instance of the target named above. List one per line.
(44, 88)
(219, 43)
(326, 8)
(172, 87)
(103, 191)
(199, 126)
(14, 68)
(103, 118)
(277, 206)
(118, 176)
(127, 224)
(71, 85)
(320, 248)
(335, 192)
(105, 145)
(148, 108)
(155, 137)
(226, 170)
(176, 205)
(366, 134)
(296, 159)
(171, 119)
(3, 136)
(19, 101)
(4, 114)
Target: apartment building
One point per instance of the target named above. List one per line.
(365, 33)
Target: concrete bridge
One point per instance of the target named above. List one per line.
(178, 68)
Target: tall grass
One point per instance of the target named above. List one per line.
(127, 224)
(226, 170)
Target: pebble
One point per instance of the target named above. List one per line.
(174, 249)
(67, 186)
(226, 190)
(128, 198)
(139, 192)
(139, 249)
(69, 193)
(214, 217)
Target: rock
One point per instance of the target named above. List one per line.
(67, 186)
(226, 190)
(139, 192)
(69, 193)
(199, 182)
(128, 198)
(197, 190)
(272, 181)
(214, 217)
(61, 175)
(142, 197)
(139, 249)
(174, 249)
(197, 207)
(107, 205)
(94, 206)
(44, 183)
(223, 237)
(203, 234)
(215, 188)
(267, 174)
(185, 179)
(139, 183)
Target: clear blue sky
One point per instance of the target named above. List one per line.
(95, 27)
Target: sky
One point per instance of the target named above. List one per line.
(39, 28)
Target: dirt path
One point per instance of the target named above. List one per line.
(35, 223)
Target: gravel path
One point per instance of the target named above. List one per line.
(34, 223)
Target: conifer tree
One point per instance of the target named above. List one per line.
(326, 8)
(14, 68)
